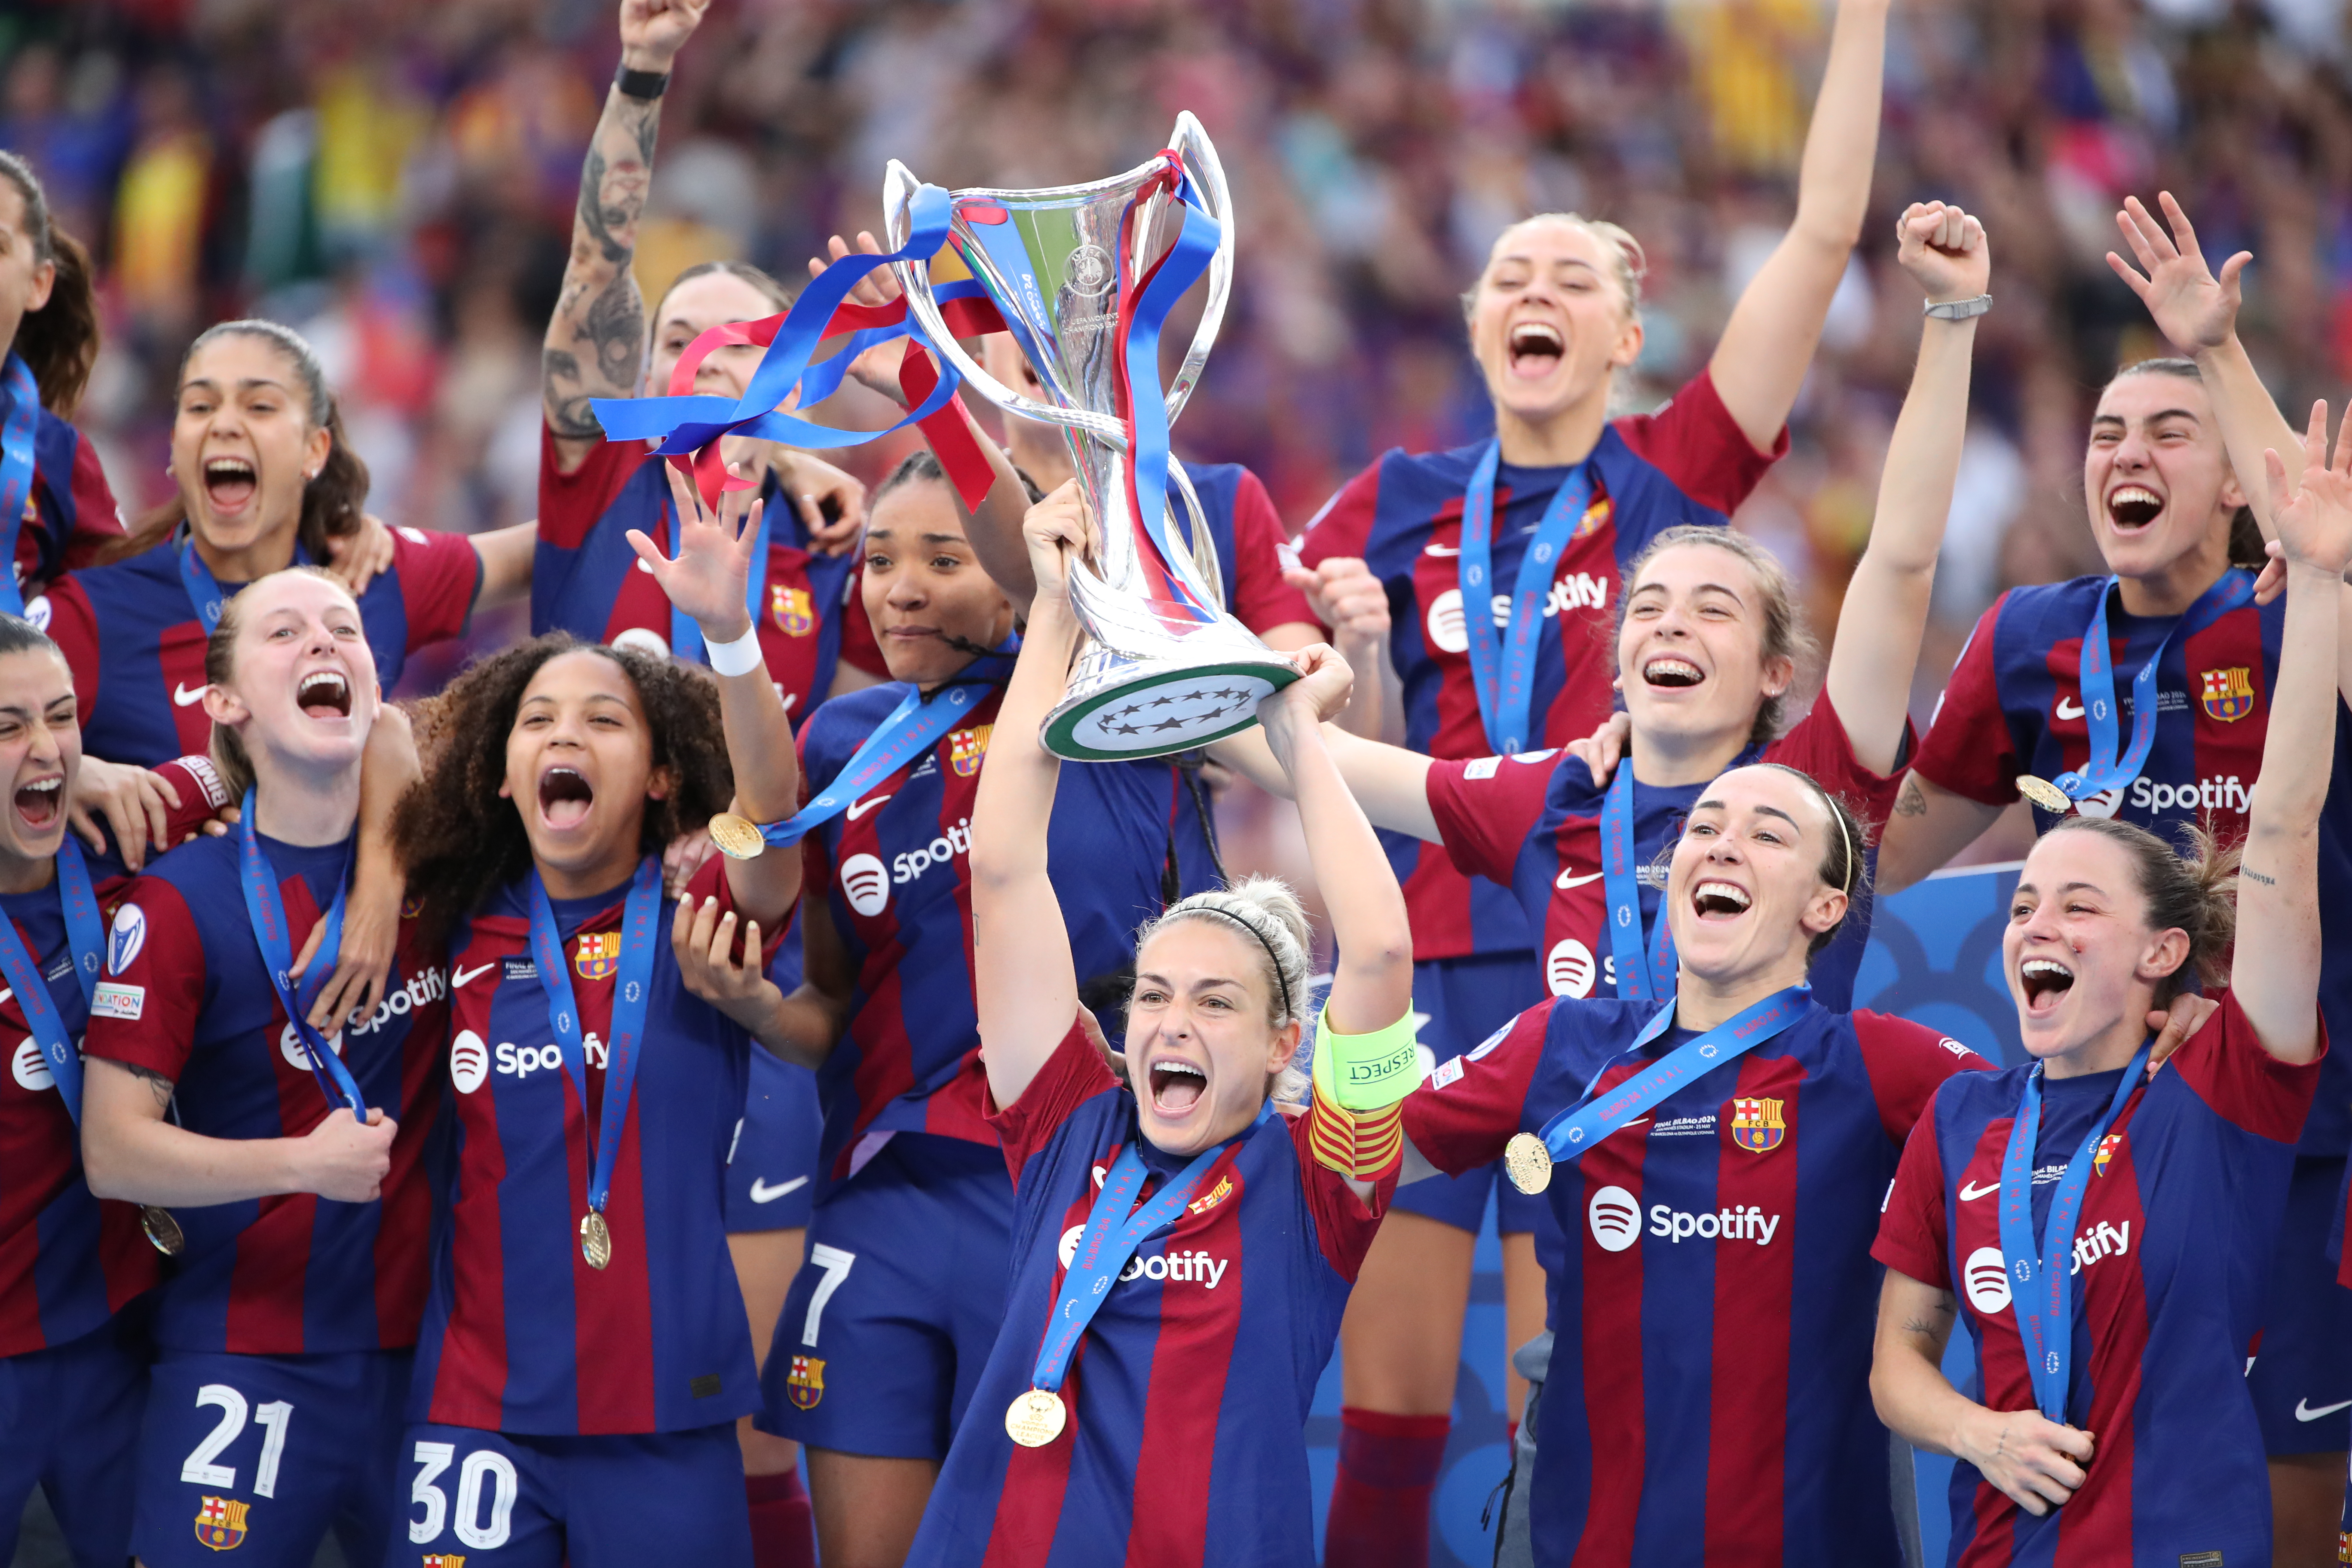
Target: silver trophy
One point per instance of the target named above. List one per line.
(1166, 668)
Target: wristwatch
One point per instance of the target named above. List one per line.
(1960, 309)
(647, 85)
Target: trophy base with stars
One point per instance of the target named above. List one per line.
(1117, 708)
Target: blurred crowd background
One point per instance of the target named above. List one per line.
(397, 178)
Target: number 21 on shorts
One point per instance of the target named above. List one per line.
(201, 1468)
(484, 1469)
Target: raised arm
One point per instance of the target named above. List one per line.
(1767, 345)
(1885, 610)
(1373, 986)
(1390, 783)
(1024, 981)
(707, 581)
(596, 339)
(2275, 973)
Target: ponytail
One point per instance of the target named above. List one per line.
(58, 342)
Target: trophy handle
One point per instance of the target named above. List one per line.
(1190, 143)
(899, 188)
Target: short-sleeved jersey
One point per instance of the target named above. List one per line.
(520, 1334)
(1188, 1393)
(2014, 705)
(185, 995)
(1249, 535)
(137, 650)
(586, 580)
(1687, 463)
(1533, 824)
(895, 870)
(1709, 1397)
(68, 1261)
(2172, 1255)
(71, 514)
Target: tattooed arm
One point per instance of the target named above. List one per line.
(1930, 824)
(596, 340)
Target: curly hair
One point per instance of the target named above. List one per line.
(459, 842)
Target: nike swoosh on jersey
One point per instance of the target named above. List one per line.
(460, 975)
(1970, 1191)
(2303, 1412)
(1567, 881)
(763, 1194)
(182, 698)
(1443, 550)
(2069, 709)
(858, 808)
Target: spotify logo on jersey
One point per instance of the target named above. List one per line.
(1447, 632)
(31, 1068)
(1616, 1218)
(1985, 1276)
(469, 1061)
(866, 883)
(1568, 971)
(290, 1046)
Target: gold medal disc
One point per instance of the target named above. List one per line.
(1528, 1162)
(2044, 794)
(163, 1231)
(738, 838)
(595, 1241)
(1036, 1418)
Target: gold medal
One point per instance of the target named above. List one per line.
(2044, 794)
(1528, 1162)
(595, 1241)
(738, 838)
(1036, 1418)
(162, 1230)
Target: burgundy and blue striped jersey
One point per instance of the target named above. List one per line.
(68, 1261)
(520, 1334)
(895, 870)
(1709, 1398)
(586, 580)
(1687, 463)
(137, 650)
(184, 993)
(2172, 1257)
(1249, 536)
(1533, 824)
(71, 514)
(1188, 1393)
(2014, 705)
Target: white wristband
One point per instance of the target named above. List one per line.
(740, 657)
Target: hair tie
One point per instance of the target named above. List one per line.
(1281, 980)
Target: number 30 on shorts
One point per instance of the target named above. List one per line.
(484, 1469)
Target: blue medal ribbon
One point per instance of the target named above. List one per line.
(1638, 979)
(204, 594)
(684, 635)
(639, 919)
(2232, 589)
(1503, 670)
(2040, 1287)
(267, 912)
(1147, 407)
(17, 428)
(1111, 1237)
(911, 728)
(85, 938)
(1586, 1123)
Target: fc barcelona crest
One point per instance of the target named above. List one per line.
(790, 609)
(1219, 1194)
(2229, 693)
(967, 747)
(444, 1560)
(2108, 1147)
(804, 1385)
(1594, 516)
(1756, 1125)
(598, 955)
(220, 1523)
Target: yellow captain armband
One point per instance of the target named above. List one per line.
(1365, 1139)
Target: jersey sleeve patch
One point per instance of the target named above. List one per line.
(144, 1013)
(1487, 807)
(2242, 1083)
(1464, 1122)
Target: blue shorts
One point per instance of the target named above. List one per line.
(769, 1173)
(497, 1499)
(892, 1317)
(1467, 999)
(2302, 1375)
(264, 1454)
(70, 1423)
